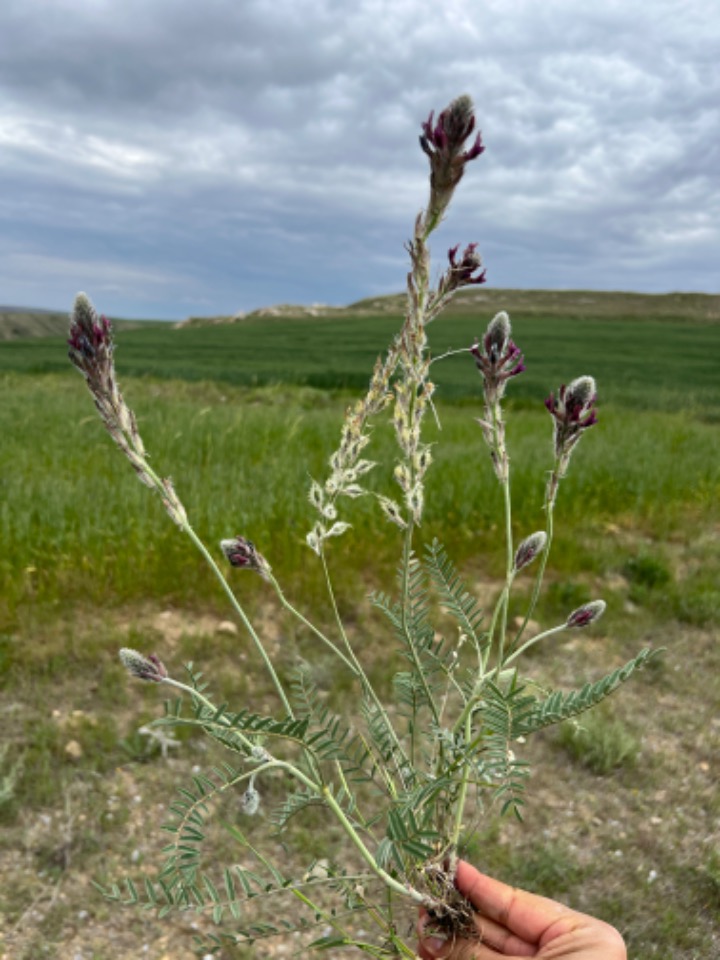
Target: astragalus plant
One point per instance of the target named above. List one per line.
(404, 775)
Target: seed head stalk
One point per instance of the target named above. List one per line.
(311, 626)
(573, 412)
(244, 618)
(537, 586)
(401, 759)
(187, 528)
(92, 353)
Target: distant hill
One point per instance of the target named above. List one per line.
(689, 306)
(20, 323)
(23, 323)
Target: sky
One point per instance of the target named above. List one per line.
(176, 158)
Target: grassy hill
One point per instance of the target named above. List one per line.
(21, 323)
(18, 323)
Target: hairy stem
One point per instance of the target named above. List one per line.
(462, 793)
(243, 616)
(549, 507)
(407, 558)
(364, 679)
(311, 626)
(533, 640)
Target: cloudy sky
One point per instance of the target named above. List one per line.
(177, 157)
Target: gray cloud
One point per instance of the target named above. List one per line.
(199, 158)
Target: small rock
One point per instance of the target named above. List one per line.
(228, 627)
(73, 750)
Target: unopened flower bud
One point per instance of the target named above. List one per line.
(497, 357)
(242, 553)
(587, 614)
(529, 549)
(573, 411)
(144, 668)
(497, 334)
(581, 392)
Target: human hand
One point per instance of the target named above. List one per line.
(514, 924)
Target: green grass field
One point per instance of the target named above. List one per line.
(641, 362)
(622, 818)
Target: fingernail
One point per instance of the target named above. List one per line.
(435, 946)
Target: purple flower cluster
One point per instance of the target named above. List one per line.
(463, 271)
(91, 345)
(89, 336)
(444, 142)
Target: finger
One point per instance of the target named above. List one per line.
(524, 914)
(497, 940)
(466, 950)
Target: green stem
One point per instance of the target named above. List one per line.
(185, 526)
(491, 632)
(407, 555)
(204, 700)
(321, 790)
(509, 575)
(533, 640)
(243, 616)
(311, 626)
(367, 686)
(549, 507)
(462, 794)
(391, 882)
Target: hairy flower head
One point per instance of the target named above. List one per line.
(143, 667)
(242, 553)
(530, 548)
(573, 411)
(497, 357)
(443, 140)
(587, 614)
